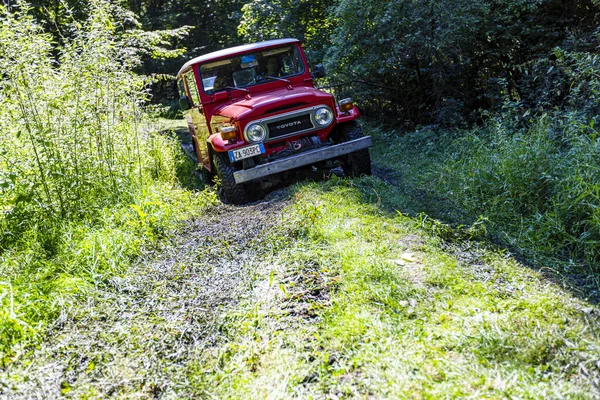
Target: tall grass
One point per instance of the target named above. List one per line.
(69, 125)
(82, 186)
(539, 186)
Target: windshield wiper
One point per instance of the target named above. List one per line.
(236, 88)
(278, 79)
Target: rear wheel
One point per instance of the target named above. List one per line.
(234, 194)
(357, 163)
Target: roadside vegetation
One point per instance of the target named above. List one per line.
(535, 190)
(86, 182)
(497, 102)
(467, 266)
(365, 301)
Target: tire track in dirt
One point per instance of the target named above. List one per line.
(137, 335)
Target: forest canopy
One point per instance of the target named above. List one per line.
(428, 62)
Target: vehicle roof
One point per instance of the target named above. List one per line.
(235, 50)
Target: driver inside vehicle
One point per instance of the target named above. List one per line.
(222, 80)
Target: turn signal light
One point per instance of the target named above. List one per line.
(227, 132)
(346, 105)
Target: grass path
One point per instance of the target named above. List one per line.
(368, 303)
(322, 290)
(136, 337)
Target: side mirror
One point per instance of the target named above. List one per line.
(318, 71)
(184, 103)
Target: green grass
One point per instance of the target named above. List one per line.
(85, 183)
(56, 264)
(535, 189)
(368, 302)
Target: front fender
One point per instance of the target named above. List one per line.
(347, 116)
(219, 145)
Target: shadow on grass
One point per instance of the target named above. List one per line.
(462, 235)
(410, 165)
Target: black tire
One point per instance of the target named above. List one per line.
(234, 194)
(357, 163)
(207, 176)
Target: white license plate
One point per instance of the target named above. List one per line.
(245, 152)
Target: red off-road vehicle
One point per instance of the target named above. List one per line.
(253, 112)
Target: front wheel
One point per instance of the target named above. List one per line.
(207, 176)
(234, 193)
(357, 163)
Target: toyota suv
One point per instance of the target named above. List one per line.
(254, 114)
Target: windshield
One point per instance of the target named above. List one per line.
(251, 69)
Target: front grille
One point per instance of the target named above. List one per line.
(291, 125)
(274, 145)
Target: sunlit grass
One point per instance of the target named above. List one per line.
(393, 311)
(85, 183)
(535, 189)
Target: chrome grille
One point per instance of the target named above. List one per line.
(288, 126)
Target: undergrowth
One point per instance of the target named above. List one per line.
(372, 303)
(85, 185)
(540, 185)
(534, 185)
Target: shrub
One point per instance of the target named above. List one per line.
(83, 185)
(540, 185)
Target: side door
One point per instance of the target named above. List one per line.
(197, 121)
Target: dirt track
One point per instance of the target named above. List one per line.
(137, 338)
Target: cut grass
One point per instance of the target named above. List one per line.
(368, 303)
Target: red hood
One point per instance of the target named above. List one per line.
(262, 103)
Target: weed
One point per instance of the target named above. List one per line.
(84, 185)
(533, 189)
(404, 317)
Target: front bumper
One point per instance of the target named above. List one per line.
(302, 159)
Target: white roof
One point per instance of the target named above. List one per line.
(235, 50)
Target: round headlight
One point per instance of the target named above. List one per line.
(255, 133)
(323, 116)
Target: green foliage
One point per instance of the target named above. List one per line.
(533, 188)
(208, 26)
(308, 21)
(437, 61)
(540, 185)
(72, 140)
(83, 184)
(375, 306)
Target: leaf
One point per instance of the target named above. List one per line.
(65, 387)
(408, 256)
(283, 289)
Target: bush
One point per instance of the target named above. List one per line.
(83, 186)
(539, 186)
(69, 126)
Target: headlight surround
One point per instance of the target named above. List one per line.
(323, 116)
(255, 133)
